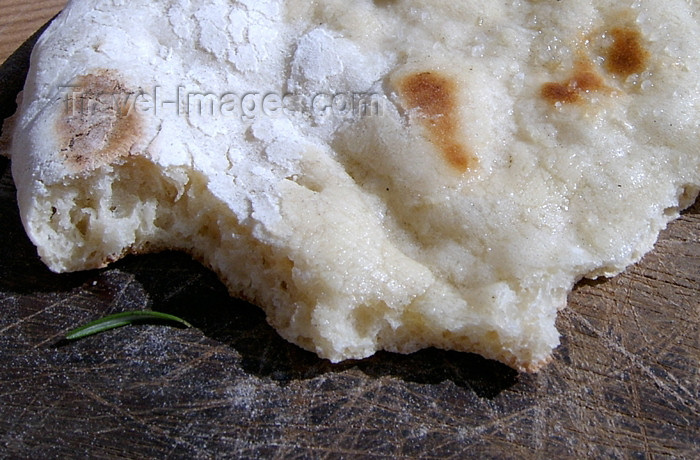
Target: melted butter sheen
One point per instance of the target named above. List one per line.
(435, 97)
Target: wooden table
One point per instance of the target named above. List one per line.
(624, 383)
(19, 19)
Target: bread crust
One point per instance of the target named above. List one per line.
(371, 180)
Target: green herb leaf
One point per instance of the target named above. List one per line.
(121, 319)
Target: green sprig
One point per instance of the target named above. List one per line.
(122, 319)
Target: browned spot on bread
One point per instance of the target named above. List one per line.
(584, 79)
(626, 55)
(99, 122)
(564, 93)
(435, 98)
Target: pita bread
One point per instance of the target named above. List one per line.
(387, 175)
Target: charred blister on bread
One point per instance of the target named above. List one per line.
(99, 122)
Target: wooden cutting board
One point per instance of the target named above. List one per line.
(20, 19)
(624, 383)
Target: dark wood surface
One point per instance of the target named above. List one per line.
(624, 383)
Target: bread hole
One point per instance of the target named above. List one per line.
(458, 341)
(80, 218)
(671, 212)
(82, 225)
(492, 336)
(209, 229)
(122, 205)
(209, 232)
(306, 182)
(363, 319)
(305, 342)
(385, 3)
(283, 270)
(688, 196)
(289, 262)
(366, 318)
(164, 220)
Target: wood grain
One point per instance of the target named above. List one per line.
(625, 382)
(20, 19)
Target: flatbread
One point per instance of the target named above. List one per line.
(377, 175)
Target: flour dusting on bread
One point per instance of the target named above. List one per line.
(375, 176)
